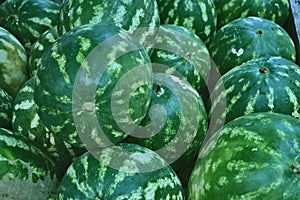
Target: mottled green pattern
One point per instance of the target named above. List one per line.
(26, 122)
(269, 84)
(6, 102)
(275, 10)
(170, 63)
(28, 19)
(251, 157)
(247, 38)
(13, 63)
(39, 47)
(91, 178)
(60, 67)
(25, 172)
(179, 130)
(199, 16)
(127, 14)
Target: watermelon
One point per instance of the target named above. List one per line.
(246, 38)
(199, 17)
(176, 123)
(126, 171)
(76, 86)
(26, 122)
(136, 16)
(39, 47)
(255, 156)
(267, 84)
(180, 52)
(28, 19)
(275, 10)
(13, 63)
(26, 172)
(6, 102)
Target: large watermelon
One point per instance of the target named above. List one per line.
(267, 84)
(26, 172)
(199, 16)
(246, 38)
(138, 173)
(78, 78)
(13, 63)
(28, 19)
(275, 10)
(255, 156)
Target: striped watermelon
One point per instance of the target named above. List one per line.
(26, 122)
(255, 156)
(275, 10)
(193, 66)
(39, 47)
(6, 102)
(198, 16)
(26, 172)
(62, 106)
(94, 177)
(268, 84)
(176, 123)
(13, 63)
(28, 19)
(130, 15)
(246, 38)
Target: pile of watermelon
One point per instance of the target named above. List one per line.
(149, 99)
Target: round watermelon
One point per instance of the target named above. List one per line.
(175, 124)
(87, 73)
(28, 19)
(246, 38)
(267, 84)
(94, 177)
(255, 156)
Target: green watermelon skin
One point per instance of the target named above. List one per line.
(228, 10)
(91, 178)
(193, 67)
(129, 15)
(251, 157)
(267, 84)
(60, 68)
(178, 140)
(28, 19)
(26, 172)
(27, 123)
(6, 102)
(246, 38)
(39, 47)
(198, 16)
(13, 63)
